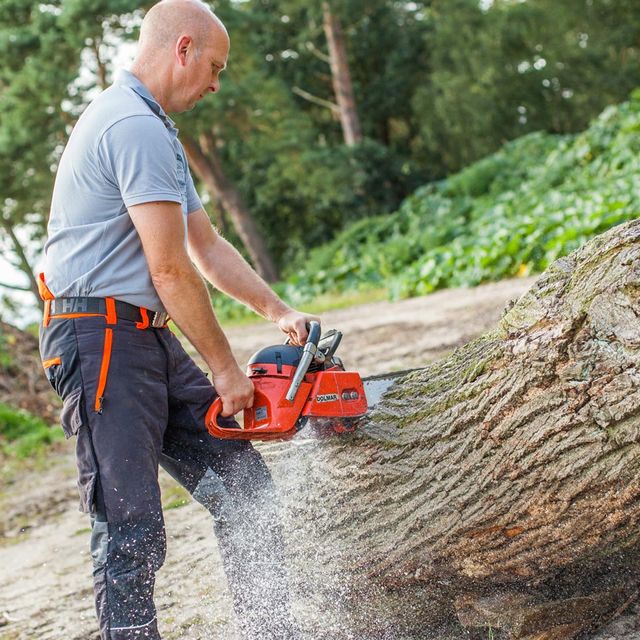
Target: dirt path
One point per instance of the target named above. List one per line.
(45, 568)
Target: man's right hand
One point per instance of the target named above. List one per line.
(234, 388)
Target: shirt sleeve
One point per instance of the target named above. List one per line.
(193, 199)
(138, 155)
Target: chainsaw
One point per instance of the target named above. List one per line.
(300, 385)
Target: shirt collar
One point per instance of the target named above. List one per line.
(127, 79)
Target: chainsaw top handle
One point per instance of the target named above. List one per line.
(308, 354)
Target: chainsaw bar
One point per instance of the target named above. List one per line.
(376, 386)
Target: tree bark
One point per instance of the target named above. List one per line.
(205, 162)
(341, 78)
(502, 483)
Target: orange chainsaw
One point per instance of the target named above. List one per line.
(295, 386)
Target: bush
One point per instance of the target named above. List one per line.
(513, 213)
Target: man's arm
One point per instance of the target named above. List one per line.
(228, 271)
(183, 293)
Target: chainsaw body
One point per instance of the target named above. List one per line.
(294, 385)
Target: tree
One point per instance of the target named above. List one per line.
(437, 84)
(36, 68)
(296, 177)
(503, 482)
(341, 78)
(518, 67)
(44, 47)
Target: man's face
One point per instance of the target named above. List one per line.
(201, 74)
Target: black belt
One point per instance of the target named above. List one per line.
(124, 310)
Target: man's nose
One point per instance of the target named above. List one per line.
(214, 86)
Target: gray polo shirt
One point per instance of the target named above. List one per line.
(123, 151)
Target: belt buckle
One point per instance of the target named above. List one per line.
(159, 319)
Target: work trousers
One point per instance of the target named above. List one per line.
(135, 400)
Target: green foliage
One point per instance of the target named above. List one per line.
(284, 155)
(512, 213)
(6, 357)
(427, 107)
(519, 67)
(22, 434)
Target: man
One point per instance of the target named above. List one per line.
(125, 217)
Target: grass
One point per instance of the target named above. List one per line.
(24, 435)
(6, 343)
(175, 497)
(331, 302)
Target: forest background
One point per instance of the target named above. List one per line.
(360, 144)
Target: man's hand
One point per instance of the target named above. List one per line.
(294, 324)
(235, 390)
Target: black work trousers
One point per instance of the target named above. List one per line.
(134, 399)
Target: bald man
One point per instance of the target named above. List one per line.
(125, 219)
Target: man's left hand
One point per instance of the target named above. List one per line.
(294, 324)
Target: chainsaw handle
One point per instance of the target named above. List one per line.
(264, 420)
(314, 333)
(308, 354)
(308, 326)
(211, 420)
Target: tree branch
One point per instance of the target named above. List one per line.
(15, 287)
(101, 66)
(24, 264)
(319, 101)
(321, 55)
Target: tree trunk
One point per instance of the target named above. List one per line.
(206, 164)
(341, 78)
(502, 483)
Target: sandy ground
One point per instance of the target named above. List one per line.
(45, 568)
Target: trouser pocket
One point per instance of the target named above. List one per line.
(71, 416)
(61, 363)
(72, 412)
(87, 472)
(51, 369)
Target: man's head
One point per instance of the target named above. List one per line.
(183, 48)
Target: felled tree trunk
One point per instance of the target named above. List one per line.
(502, 483)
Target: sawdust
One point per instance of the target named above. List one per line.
(45, 567)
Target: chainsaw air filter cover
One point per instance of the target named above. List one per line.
(279, 355)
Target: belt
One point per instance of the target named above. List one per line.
(81, 306)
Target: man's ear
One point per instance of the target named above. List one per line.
(184, 48)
